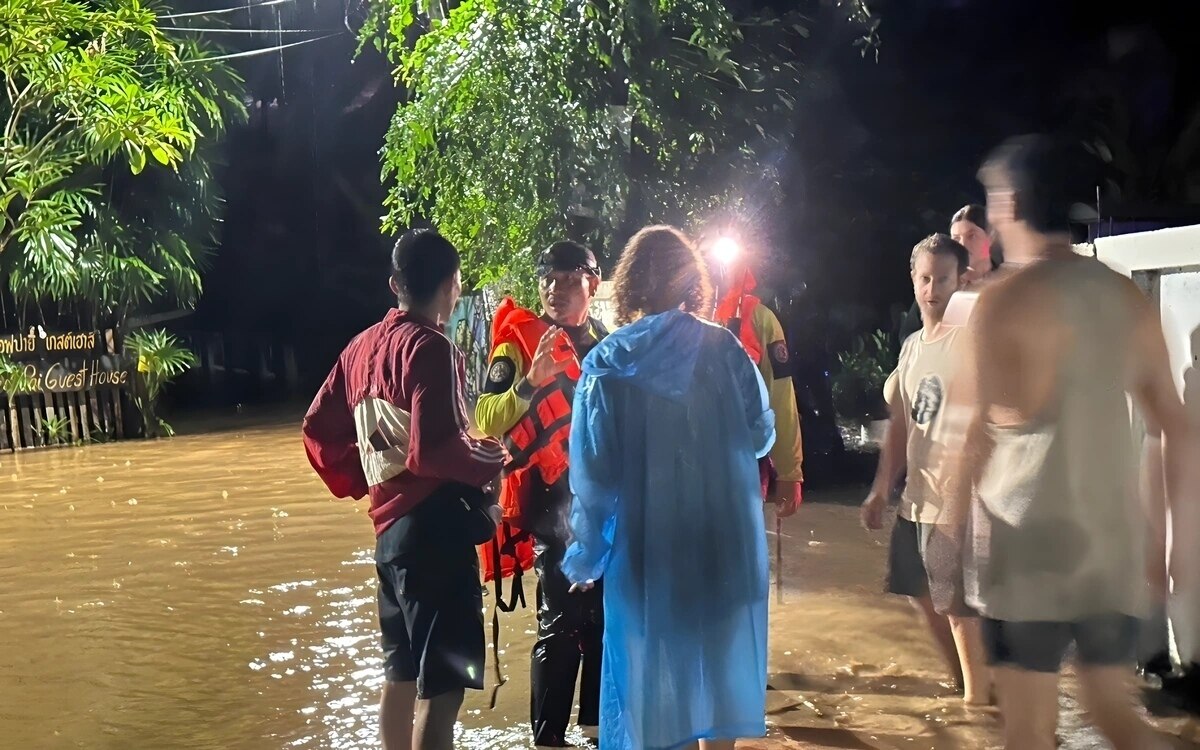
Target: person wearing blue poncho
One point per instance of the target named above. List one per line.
(670, 418)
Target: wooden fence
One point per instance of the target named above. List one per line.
(38, 420)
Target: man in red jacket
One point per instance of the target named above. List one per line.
(390, 423)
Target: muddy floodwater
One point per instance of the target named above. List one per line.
(206, 593)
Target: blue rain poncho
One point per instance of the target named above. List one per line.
(670, 417)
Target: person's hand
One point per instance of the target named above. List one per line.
(788, 496)
(544, 366)
(872, 510)
(495, 513)
(579, 588)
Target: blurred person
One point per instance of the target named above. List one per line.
(970, 228)
(919, 440)
(670, 419)
(758, 329)
(390, 423)
(533, 368)
(1056, 555)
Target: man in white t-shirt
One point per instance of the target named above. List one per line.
(920, 439)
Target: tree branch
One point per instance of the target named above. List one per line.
(18, 109)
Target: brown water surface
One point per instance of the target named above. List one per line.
(205, 592)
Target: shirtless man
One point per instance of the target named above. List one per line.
(1056, 555)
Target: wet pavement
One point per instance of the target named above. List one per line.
(205, 592)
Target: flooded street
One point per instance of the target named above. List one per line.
(205, 592)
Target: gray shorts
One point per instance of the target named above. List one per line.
(920, 565)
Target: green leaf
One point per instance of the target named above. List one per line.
(137, 159)
(160, 154)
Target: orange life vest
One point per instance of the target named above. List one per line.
(727, 309)
(537, 442)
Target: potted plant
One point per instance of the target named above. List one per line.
(858, 384)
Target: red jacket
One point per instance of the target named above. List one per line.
(390, 420)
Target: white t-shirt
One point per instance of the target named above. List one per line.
(921, 382)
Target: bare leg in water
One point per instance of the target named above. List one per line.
(1029, 705)
(1107, 695)
(396, 707)
(977, 676)
(943, 636)
(435, 719)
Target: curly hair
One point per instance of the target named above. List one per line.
(660, 270)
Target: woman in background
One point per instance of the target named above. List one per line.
(968, 227)
(670, 419)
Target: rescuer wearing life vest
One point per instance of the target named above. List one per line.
(761, 334)
(527, 401)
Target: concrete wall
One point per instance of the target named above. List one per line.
(1162, 249)
(1166, 264)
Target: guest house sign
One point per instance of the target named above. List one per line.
(68, 361)
(36, 343)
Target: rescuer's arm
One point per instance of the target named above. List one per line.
(776, 369)
(505, 396)
(330, 439)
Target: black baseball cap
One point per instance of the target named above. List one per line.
(567, 256)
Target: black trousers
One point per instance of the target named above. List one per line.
(570, 632)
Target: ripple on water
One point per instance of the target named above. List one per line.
(272, 641)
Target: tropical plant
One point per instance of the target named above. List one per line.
(56, 428)
(161, 357)
(523, 116)
(106, 191)
(863, 369)
(14, 378)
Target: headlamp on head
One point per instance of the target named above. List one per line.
(725, 250)
(567, 257)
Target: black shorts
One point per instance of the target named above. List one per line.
(430, 602)
(1100, 641)
(918, 569)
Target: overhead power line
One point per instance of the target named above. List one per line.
(219, 11)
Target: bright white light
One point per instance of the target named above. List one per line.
(726, 250)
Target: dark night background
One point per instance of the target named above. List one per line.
(886, 150)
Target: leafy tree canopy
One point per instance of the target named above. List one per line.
(107, 199)
(525, 117)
